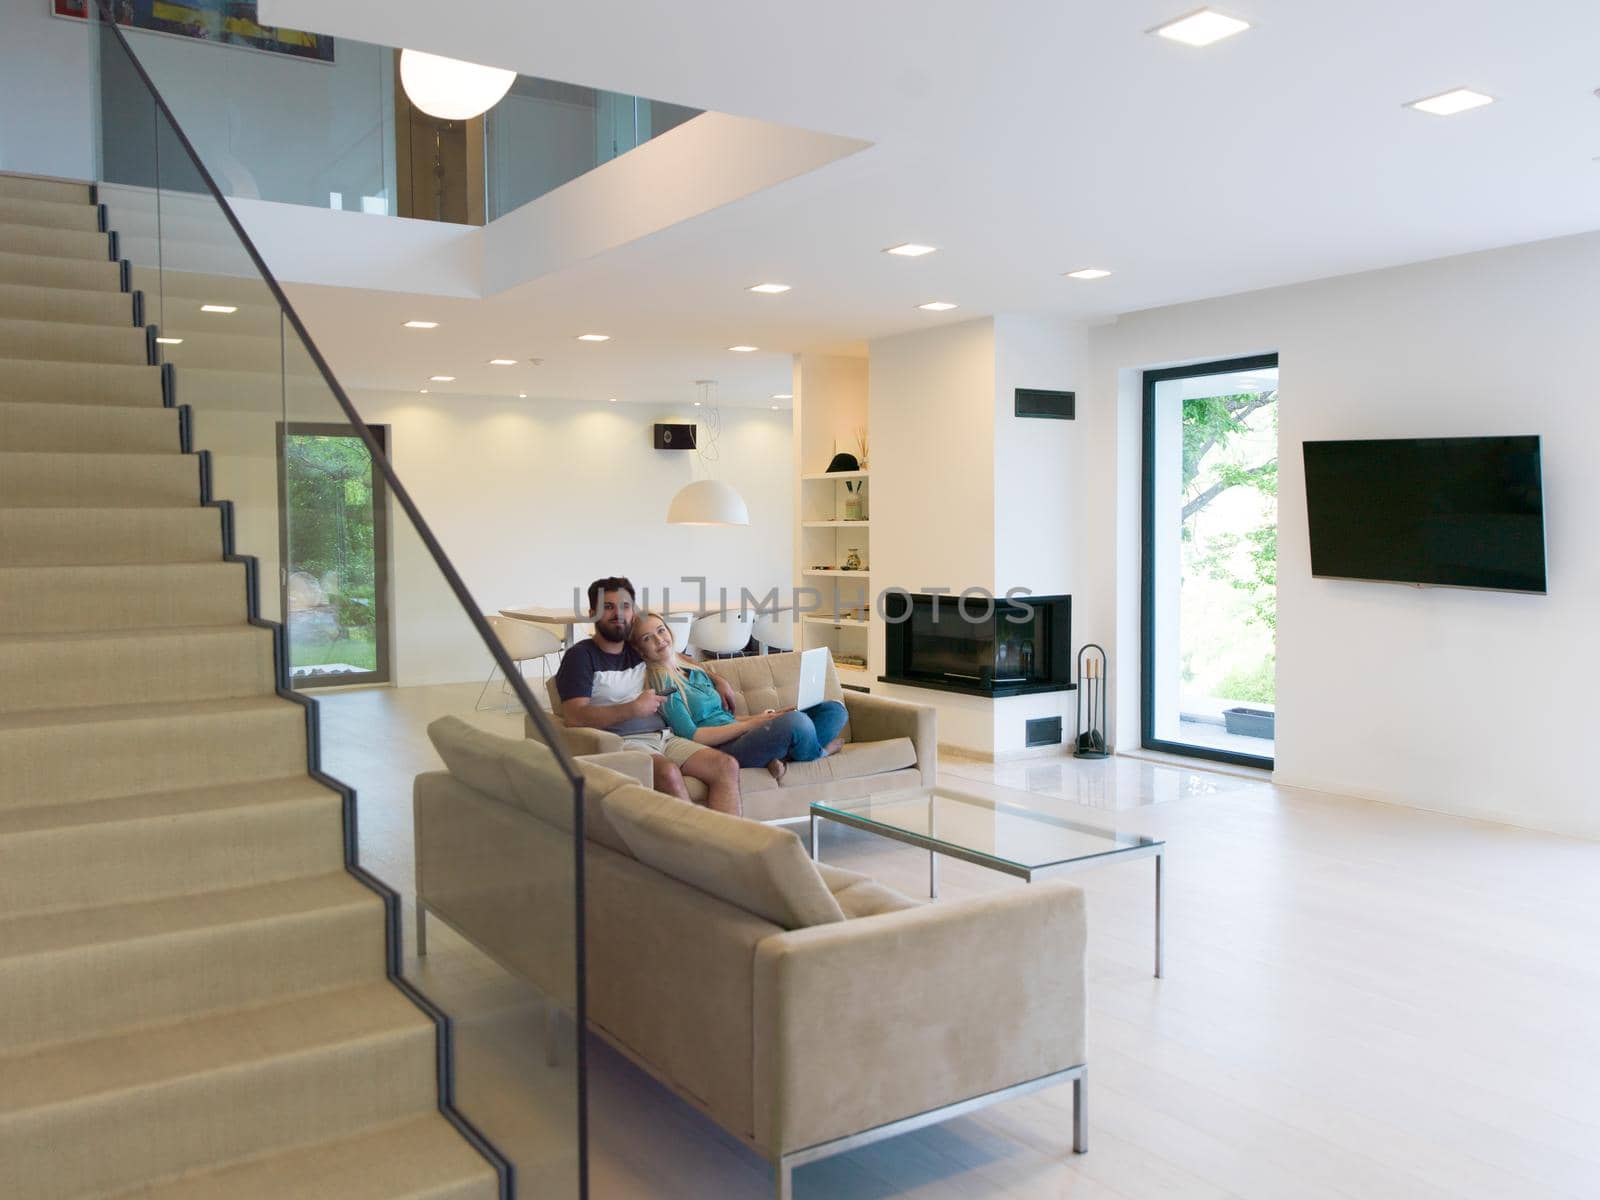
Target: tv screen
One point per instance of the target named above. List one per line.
(1453, 512)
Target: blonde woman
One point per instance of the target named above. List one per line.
(693, 709)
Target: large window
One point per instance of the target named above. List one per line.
(1211, 559)
(334, 556)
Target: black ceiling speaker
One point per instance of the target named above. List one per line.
(674, 437)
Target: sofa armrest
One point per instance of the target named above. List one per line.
(635, 764)
(867, 1021)
(877, 718)
(576, 739)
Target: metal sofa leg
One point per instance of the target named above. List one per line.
(1080, 1112)
(422, 929)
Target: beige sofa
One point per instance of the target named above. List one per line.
(888, 744)
(803, 1008)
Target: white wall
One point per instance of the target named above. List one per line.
(1469, 702)
(532, 499)
(45, 124)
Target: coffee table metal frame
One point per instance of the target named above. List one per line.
(1148, 847)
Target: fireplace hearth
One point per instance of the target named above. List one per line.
(1007, 648)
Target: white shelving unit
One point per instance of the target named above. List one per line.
(834, 511)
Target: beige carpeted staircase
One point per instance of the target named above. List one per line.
(193, 999)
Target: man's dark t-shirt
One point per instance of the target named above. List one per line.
(587, 670)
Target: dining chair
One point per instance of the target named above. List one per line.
(775, 632)
(721, 634)
(522, 640)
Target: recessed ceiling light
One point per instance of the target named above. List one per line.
(936, 306)
(611, 400)
(422, 324)
(770, 289)
(424, 391)
(783, 395)
(774, 408)
(1448, 104)
(502, 362)
(697, 404)
(911, 250)
(744, 349)
(1201, 28)
(441, 378)
(522, 395)
(219, 308)
(594, 337)
(1088, 273)
(169, 341)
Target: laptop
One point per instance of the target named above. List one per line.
(813, 677)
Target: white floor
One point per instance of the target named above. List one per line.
(1361, 1002)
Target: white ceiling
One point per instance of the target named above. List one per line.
(1024, 138)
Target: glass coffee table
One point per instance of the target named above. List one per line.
(1021, 839)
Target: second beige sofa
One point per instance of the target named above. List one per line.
(804, 1009)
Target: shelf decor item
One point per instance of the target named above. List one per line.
(852, 560)
(1091, 733)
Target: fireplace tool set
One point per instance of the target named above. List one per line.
(1091, 739)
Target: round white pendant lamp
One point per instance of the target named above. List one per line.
(707, 502)
(450, 89)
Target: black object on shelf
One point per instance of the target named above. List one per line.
(1091, 739)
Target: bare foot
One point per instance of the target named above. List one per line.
(777, 766)
(832, 747)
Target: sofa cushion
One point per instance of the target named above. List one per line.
(854, 760)
(760, 868)
(860, 895)
(762, 681)
(526, 774)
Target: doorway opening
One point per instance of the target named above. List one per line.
(1211, 560)
(334, 555)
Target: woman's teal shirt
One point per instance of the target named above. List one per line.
(704, 706)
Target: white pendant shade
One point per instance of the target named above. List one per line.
(708, 502)
(450, 89)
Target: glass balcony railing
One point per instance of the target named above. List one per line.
(335, 134)
(332, 545)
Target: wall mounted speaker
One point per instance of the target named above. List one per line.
(1056, 406)
(674, 437)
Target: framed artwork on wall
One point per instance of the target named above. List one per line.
(227, 22)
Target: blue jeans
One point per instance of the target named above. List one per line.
(794, 737)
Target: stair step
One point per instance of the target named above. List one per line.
(54, 479)
(79, 306)
(145, 847)
(424, 1158)
(53, 214)
(86, 429)
(92, 971)
(134, 596)
(64, 756)
(40, 382)
(59, 341)
(144, 666)
(47, 271)
(33, 187)
(41, 537)
(107, 1114)
(55, 243)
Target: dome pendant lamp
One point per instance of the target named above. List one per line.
(708, 501)
(450, 89)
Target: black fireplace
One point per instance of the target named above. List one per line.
(983, 647)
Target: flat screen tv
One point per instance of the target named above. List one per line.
(1451, 512)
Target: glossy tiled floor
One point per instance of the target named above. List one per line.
(1362, 1002)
